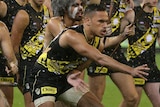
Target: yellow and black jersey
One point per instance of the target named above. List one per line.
(118, 12)
(12, 8)
(141, 48)
(143, 43)
(62, 60)
(33, 36)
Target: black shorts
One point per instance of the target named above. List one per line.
(45, 83)
(154, 73)
(24, 72)
(152, 77)
(96, 70)
(4, 77)
(3, 63)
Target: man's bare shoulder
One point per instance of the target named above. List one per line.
(71, 32)
(73, 39)
(21, 16)
(3, 9)
(55, 25)
(129, 12)
(130, 15)
(55, 21)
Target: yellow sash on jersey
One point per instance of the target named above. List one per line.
(146, 41)
(115, 20)
(96, 42)
(62, 67)
(7, 79)
(35, 44)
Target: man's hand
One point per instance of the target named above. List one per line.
(140, 71)
(129, 30)
(12, 69)
(77, 82)
(109, 30)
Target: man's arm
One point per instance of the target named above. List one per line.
(20, 23)
(7, 49)
(128, 19)
(127, 28)
(79, 44)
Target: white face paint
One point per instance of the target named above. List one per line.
(72, 14)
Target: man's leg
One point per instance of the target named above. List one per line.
(47, 104)
(152, 90)
(8, 92)
(45, 101)
(97, 85)
(3, 100)
(28, 100)
(89, 100)
(125, 83)
(77, 98)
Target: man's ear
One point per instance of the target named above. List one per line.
(87, 20)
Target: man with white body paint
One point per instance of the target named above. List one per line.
(62, 18)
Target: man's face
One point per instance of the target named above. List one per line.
(38, 2)
(152, 3)
(98, 23)
(75, 10)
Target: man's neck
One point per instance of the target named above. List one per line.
(21, 2)
(87, 33)
(37, 8)
(67, 21)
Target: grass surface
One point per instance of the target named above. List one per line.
(111, 98)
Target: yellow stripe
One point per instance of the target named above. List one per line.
(7, 79)
(139, 81)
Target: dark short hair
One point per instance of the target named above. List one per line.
(93, 8)
(60, 7)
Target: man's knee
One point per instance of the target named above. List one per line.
(89, 100)
(132, 98)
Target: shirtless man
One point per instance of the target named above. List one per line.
(62, 18)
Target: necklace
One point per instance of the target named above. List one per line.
(88, 41)
(85, 35)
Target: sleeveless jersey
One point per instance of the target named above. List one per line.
(141, 48)
(118, 12)
(61, 60)
(33, 36)
(12, 8)
(142, 45)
